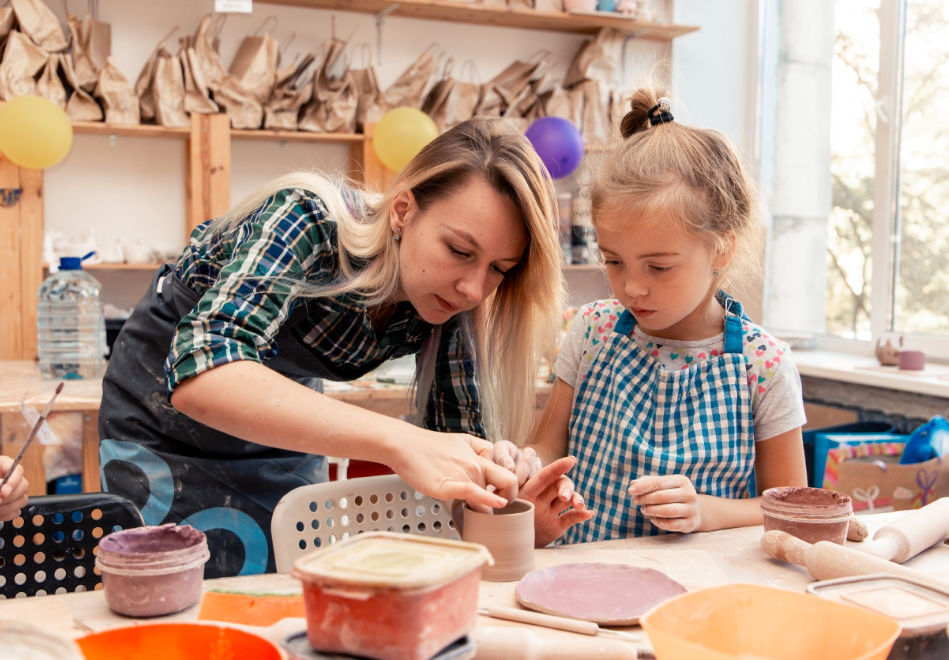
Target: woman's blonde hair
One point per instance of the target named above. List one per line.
(510, 330)
(689, 176)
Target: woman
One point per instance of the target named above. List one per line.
(458, 263)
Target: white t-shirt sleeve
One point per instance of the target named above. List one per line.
(572, 347)
(781, 407)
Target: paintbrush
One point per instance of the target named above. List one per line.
(562, 623)
(29, 439)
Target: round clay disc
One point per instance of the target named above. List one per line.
(607, 594)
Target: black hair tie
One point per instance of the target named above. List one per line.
(663, 107)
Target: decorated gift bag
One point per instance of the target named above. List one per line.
(874, 479)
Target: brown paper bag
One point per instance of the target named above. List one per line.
(567, 104)
(549, 5)
(597, 59)
(255, 65)
(596, 124)
(197, 96)
(168, 89)
(243, 108)
(282, 112)
(22, 60)
(80, 106)
(435, 104)
(143, 84)
(367, 85)
(409, 89)
(49, 85)
(520, 4)
(878, 482)
(91, 46)
(40, 24)
(333, 106)
(464, 96)
(498, 94)
(117, 95)
(7, 21)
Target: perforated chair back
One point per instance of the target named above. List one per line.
(314, 516)
(51, 547)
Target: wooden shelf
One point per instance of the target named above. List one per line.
(115, 266)
(298, 136)
(150, 130)
(478, 14)
(128, 130)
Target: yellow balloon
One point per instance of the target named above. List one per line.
(401, 134)
(35, 133)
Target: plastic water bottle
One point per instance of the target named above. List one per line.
(70, 325)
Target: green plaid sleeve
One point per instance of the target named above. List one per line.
(455, 405)
(287, 239)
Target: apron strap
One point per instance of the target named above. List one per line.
(734, 339)
(625, 324)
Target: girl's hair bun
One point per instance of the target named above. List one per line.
(641, 102)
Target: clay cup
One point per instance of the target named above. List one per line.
(508, 534)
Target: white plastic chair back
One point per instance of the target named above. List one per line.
(315, 516)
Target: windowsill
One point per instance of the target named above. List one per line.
(845, 368)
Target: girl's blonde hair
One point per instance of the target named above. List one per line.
(510, 330)
(689, 176)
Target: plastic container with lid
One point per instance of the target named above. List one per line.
(153, 571)
(810, 514)
(391, 596)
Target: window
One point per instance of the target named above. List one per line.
(854, 157)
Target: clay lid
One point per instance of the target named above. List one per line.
(398, 561)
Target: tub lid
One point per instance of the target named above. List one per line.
(384, 559)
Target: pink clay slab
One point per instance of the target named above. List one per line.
(607, 594)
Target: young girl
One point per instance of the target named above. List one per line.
(669, 396)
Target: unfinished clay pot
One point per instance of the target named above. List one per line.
(508, 534)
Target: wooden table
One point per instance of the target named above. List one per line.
(21, 383)
(695, 560)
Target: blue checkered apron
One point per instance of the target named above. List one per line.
(632, 419)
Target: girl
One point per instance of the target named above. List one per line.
(669, 396)
(206, 418)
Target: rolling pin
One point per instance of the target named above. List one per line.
(496, 643)
(826, 561)
(914, 532)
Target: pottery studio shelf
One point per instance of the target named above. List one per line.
(148, 130)
(498, 16)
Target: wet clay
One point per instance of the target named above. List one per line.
(508, 534)
(607, 594)
(152, 571)
(810, 514)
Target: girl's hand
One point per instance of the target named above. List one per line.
(669, 502)
(450, 466)
(524, 464)
(552, 494)
(13, 494)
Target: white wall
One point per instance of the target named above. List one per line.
(134, 188)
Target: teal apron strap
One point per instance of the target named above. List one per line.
(734, 339)
(625, 324)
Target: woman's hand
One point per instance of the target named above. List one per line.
(447, 466)
(669, 502)
(13, 494)
(553, 496)
(524, 464)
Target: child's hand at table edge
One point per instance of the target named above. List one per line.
(669, 502)
(557, 507)
(13, 496)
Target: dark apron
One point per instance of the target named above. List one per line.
(178, 470)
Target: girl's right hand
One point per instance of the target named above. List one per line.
(450, 466)
(13, 496)
(553, 494)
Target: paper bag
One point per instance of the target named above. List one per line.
(435, 104)
(49, 86)
(567, 104)
(168, 89)
(243, 108)
(596, 124)
(282, 112)
(367, 86)
(7, 21)
(409, 88)
(597, 59)
(255, 64)
(143, 84)
(333, 106)
(498, 94)
(876, 482)
(464, 96)
(40, 24)
(22, 60)
(117, 95)
(521, 4)
(549, 5)
(91, 46)
(197, 96)
(80, 106)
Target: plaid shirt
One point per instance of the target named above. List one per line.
(241, 310)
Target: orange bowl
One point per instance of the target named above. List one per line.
(748, 621)
(176, 641)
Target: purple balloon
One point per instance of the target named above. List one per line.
(558, 143)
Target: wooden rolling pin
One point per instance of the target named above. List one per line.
(912, 533)
(496, 643)
(826, 561)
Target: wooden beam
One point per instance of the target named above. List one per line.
(91, 478)
(208, 170)
(32, 215)
(11, 291)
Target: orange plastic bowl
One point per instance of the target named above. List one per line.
(176, 641)
(748, 621)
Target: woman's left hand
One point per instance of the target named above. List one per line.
(669, 502)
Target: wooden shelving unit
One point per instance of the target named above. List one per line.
(525, 19)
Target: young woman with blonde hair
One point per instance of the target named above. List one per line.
(206, 418)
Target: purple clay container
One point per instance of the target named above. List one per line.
(153, 571)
